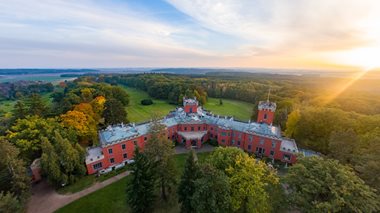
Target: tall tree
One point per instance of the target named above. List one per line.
(250, 180)
(324, 185)
(212, 191)
(186, 186)
(36, 105)
(84, 125)
(114, 112)
(19, 110)
(141, 188)
(160, 150)
(14, 178)
(71, 157)
(50, 163)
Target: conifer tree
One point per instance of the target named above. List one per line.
(159, 150)
(19, 110)
(140, 189)
(186, 187)
(36, 106)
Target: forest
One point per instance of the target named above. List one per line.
(343, 125)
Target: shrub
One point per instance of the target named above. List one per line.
(147, 102)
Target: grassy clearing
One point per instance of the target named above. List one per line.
(139, 113)
(113, 198)
(239, 109)
(7, 105)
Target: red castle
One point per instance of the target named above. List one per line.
(192, 126)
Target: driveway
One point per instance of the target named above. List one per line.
(45, 199)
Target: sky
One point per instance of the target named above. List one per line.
(291, 34)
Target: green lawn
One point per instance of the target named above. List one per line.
(239, 109)
(140, 113)
(7, 105)
(113, 198)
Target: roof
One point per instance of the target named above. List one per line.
(267, 105)
(288, 145)
(94, 154)
(192, 135)
(118, 133)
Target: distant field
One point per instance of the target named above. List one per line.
(140, 113)
(36, 77)
(239, 109)
(113, 198)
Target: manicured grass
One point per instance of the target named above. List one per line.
(88, 181)
(238, 109)
(140, 113)
(113, 198)
(82, 183)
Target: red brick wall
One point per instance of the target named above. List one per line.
(191, 108)
(261, 116)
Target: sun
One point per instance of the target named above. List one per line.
(366, 58)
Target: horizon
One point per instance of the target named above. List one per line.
(323, 35)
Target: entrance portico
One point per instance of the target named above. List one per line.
(192, 139)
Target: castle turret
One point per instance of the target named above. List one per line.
(266, 112)
(190, 105)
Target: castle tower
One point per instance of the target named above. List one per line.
(266, 111)
(190, 105)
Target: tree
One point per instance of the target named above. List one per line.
(87, 94)
(212, 191)
(141, 188)
(9, 203)
(324, 185)
(50, 163)
(71, 158)
(13, 174)
(61, 161)
(292, 122)
(367, 157)
(120, 94)
(343, 145)
(26, 134)
(186, 186)
(114, 112)
(19, 110)
(36, 106)
(249, 180)
(159, 149)
(84, 125)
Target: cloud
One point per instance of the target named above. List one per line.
(254, 33)
(287, 25)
